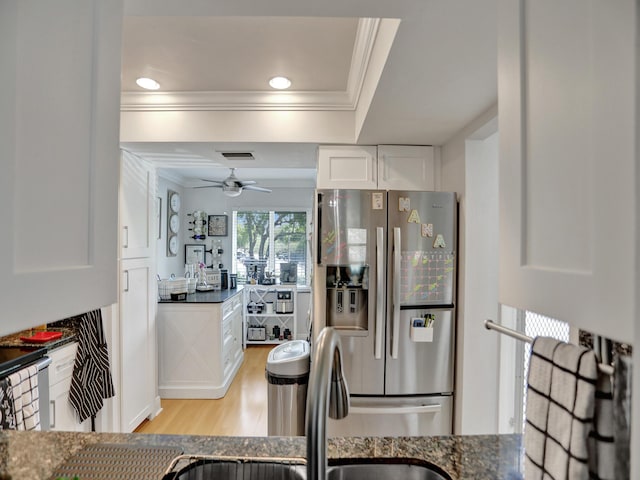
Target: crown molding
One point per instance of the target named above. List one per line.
(267, 100)
(262, 101)
(363, 46)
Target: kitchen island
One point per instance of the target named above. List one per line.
(35, 455)
(199, 344)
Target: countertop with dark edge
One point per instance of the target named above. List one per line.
(13, 340)
(35, 455)
(214, 296)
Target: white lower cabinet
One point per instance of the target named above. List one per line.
(137, 343)
(200, 348)
(62, 415)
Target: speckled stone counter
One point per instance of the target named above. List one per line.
(13, 340)
(213, 296)
(34, 455)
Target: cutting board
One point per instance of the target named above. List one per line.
(42, 337)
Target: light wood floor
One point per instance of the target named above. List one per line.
(241, 412)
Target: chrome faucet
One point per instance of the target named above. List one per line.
(327, 395)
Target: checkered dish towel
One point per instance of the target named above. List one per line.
(24, 385)
(560, 407)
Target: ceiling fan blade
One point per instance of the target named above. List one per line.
(257, 189)
(212, 181)
(244, 183)
(209, 186)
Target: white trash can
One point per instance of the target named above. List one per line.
(287, 373)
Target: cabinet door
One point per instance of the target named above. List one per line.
(61, 414)
(566, 113)
(137, 343)
(59, 121)
(347, 166)
(236, 319)
(406, 168)
(138, 228)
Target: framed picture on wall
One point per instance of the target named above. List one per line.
(193, 253)
(218, 225)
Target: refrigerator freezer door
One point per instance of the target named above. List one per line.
(364, 374)
(351, 234)
(424, 364)
(428, 223)
(397, 416)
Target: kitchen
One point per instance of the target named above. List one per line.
(31, 255)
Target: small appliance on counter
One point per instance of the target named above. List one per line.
(284, 301)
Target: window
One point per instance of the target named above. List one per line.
(271, 241)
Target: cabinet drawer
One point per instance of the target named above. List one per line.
(230, 305)
(62, 362)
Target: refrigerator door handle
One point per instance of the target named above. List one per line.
(437, 408)
(379, 289)
(395, 340)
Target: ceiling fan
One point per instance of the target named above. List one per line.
(232, 186)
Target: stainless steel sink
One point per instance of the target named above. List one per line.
(238, 469)
(386, 469)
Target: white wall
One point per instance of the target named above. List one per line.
(168, 265)
(453, 168)
(479, 401)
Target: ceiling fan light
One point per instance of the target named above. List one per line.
(280, 83)
(231, 190)
(147, 83)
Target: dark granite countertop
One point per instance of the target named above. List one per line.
(35, 455)
(213, 296)
(13, 340)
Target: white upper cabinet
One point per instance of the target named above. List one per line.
(567, 95)
(138, 229)
(347, 166)
(59, 136)
(406, 168)
(385, 167)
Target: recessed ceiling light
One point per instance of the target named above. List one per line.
(148, 83)
(280, 83)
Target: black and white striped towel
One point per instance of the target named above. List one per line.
(24, 385)
(91, 381)
(560, 406)
(7, 407)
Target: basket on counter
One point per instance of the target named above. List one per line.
(172, 288)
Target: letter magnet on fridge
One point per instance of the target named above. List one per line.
(414, 217)
(427, 230)
(439, 241)
(404, 204)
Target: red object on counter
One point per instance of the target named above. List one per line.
(42, 337)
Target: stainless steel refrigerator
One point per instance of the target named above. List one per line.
(384, 276)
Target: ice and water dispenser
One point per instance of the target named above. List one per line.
(347, 293)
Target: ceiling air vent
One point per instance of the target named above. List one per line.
(238, 155)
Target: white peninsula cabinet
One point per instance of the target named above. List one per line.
(62, 415)
(568, 174)
(385, 167)
(200, 345)
(60, 144)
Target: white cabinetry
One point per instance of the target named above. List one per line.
(137, 343)
(137, 200)
(406, 168)
(256, 298)
(62, 415)
(59, 178)
(568, 90)
(347, 166)
(200, 348)
(386, 167)
(138, 353)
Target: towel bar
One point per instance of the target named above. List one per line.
(491, 325)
